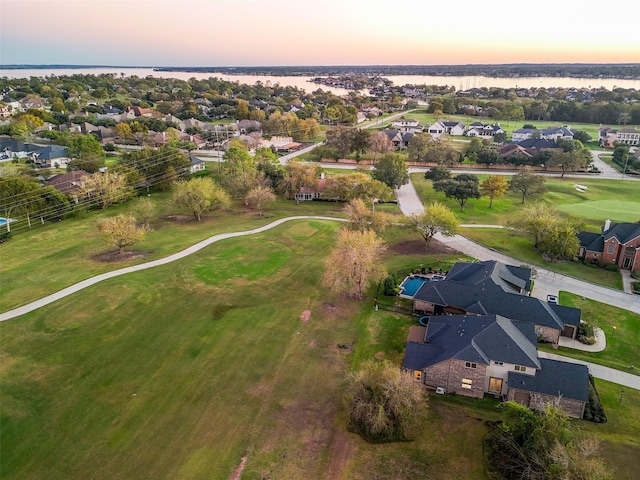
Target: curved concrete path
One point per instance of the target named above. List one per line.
(30, 307)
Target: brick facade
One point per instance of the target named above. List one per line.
(573, 408)
(452, 374)
(548, 334)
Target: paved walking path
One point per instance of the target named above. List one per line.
(30, 307)
(598, 371)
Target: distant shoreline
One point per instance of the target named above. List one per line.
(623, 71)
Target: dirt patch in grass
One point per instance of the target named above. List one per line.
(340, 452)
(417, 247)
(305, 316)
(237, 473)
(113, 256)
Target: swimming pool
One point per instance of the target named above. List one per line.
(410, 285)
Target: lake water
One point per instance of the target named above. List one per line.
(459, 82)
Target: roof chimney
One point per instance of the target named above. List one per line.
(607, 225)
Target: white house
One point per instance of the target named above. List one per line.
(407, 125)
(450, 128)
(482, 130)
(607, 136)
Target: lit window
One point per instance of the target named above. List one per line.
(417, 375)
(520, 368)
(470, 364)
(468, 387)
(467, 381)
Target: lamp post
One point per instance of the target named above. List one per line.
(624, 170)
(614, 331)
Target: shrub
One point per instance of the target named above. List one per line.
(586, 333)
(594, 412)
(636, 286)
(390, 285)
(612, 267)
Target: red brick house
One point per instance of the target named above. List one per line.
(618, 243)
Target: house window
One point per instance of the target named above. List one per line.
(611, 247)
(470, 365)
(467, 383)
(495, 385)
(498, 363)
(417, 375)
(520, 368)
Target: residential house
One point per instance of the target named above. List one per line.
(14, 149)
(493, 288)
(69, 183)
(139, 111)
(407, 125)
(617, 243)
(536, 144)
(450, 128)
(13, 104)
(197, 165)
(557, 133)
(312, 193)
(52, 156)
(482, 130)
(523, 134)
(474, 355)
(247, 126)
(510, 149)
(32, 102)
(607, 136)
(399, 139)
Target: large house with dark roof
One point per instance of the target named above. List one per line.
(493, 288)
(473, 355)
(617, 243)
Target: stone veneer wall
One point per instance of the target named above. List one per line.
(449, 374)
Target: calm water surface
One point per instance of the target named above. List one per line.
(460, 83)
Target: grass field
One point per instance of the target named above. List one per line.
(592, 206)
(179, 371)
(620, 210)
(68, 249)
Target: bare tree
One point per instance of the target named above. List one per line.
(354, 262)
(258, 196)
(383, 404)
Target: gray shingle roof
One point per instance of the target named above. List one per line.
(482, 289)
(472, 338)
(568, 380)
(623, 232)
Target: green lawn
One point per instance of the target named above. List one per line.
(67, 249)
(620, 436)
(592, 207)
(179, 371)
(517, 246)
(622, 341)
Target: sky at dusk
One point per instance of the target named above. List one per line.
(316, 32)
